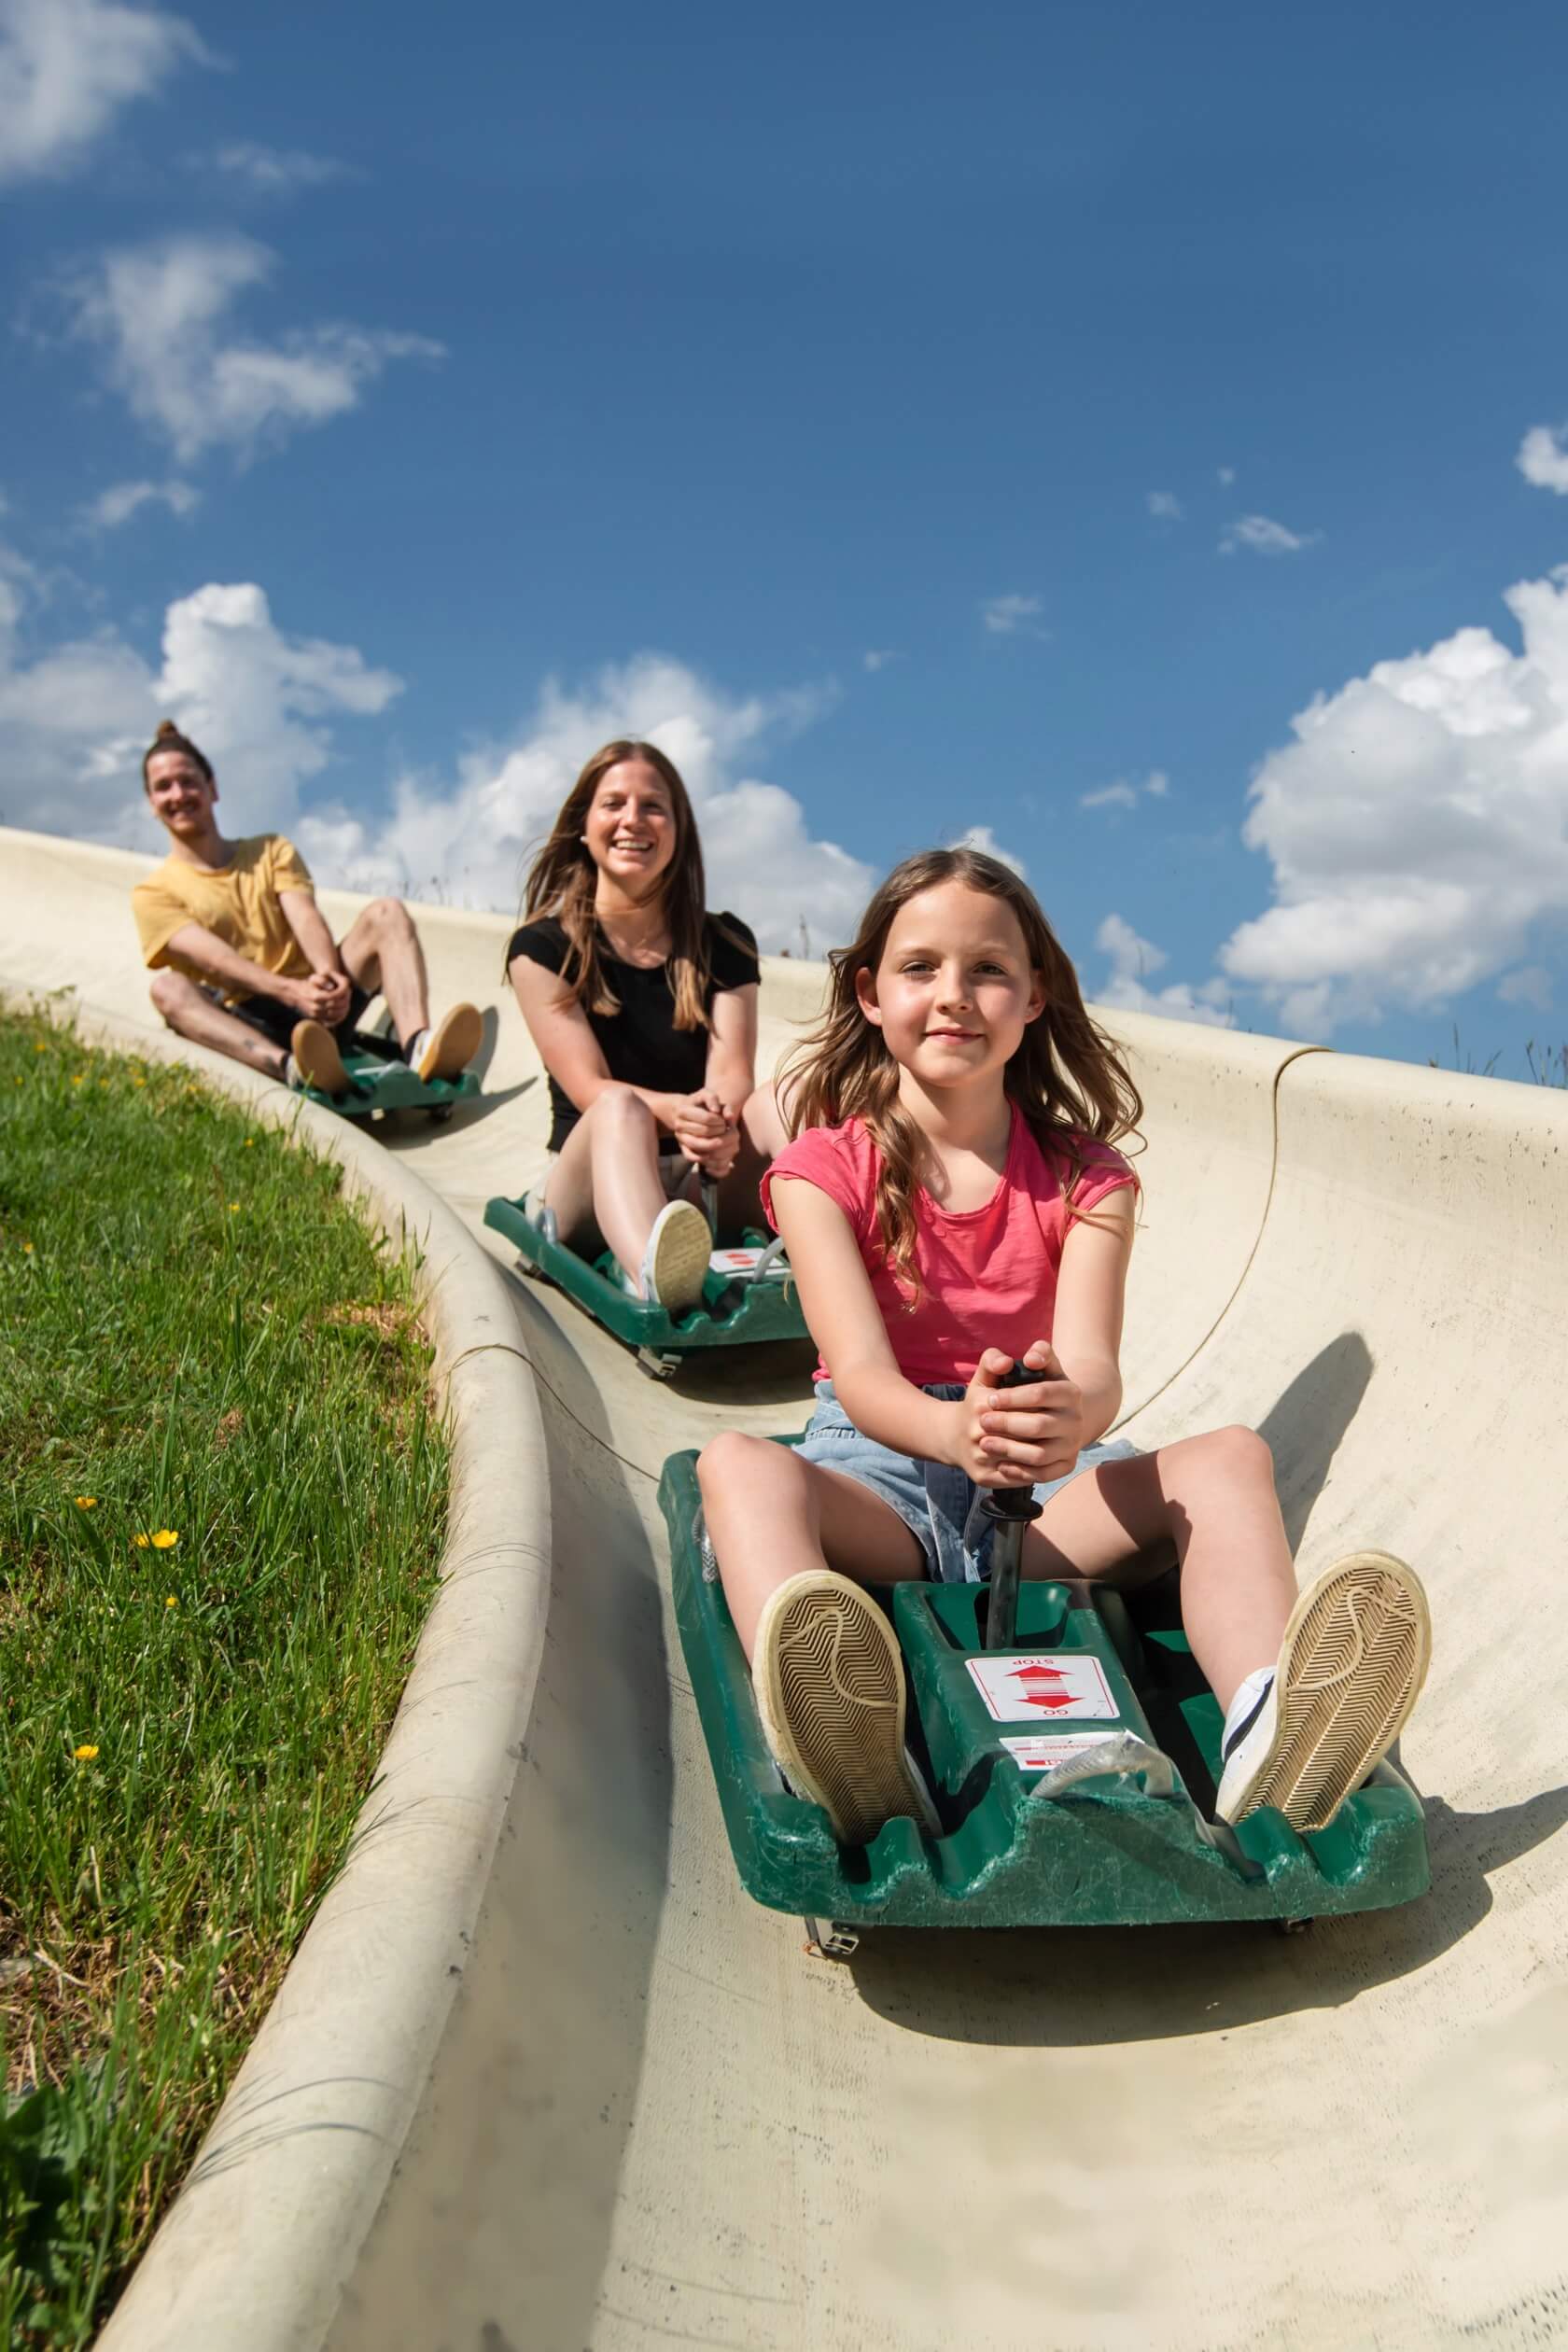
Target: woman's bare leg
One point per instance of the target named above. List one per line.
(189, 1011)
(771, 1516)
(1210, 1499)
(607, 1181)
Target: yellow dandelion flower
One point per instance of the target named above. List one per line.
(85, 1753)
(140, 1542)
(79, 1079)
(250, 1141)
(164, 1539)
(86, 1502)
(41, 1045)
(172, 1602)
(232, 1207)
(138, 1081)
(27, 1249)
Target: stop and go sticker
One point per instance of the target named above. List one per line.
(1063, 1686)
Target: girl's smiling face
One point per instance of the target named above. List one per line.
(954, 990)
(630, 828)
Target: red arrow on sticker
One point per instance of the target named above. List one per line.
(1043, 1687)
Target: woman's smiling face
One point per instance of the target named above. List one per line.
(954, 990)
(630, 829)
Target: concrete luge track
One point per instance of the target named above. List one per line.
(652, 2120)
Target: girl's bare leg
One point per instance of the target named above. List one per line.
(771, 1516)
(1210, 1499)
(607, 1181)
(189, 1011)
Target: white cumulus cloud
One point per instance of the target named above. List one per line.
(878, 656)
(77, 716)
(1015, 616)
(68, 66)
(468, 839)
(1165, 506)
(161, 313)
(1417, 826)
(1225, 476)
(1261, 536)
(1133, 960)
(118, 504)
(1542, 458)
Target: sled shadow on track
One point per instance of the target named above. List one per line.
(1073, 1988)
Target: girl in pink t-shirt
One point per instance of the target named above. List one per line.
(954, 1205)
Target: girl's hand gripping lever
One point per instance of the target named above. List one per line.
(1009, 1510)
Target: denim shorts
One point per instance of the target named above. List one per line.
(939, 1504)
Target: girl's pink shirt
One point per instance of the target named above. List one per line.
(987, 1275)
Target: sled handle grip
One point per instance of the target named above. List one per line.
(1122, 1755)
(1010, 1509)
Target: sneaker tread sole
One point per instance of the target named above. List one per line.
(1351, 1666)
(830, 1691)
(680, 1255)
(452, 1044)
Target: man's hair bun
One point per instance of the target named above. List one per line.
(169, 739)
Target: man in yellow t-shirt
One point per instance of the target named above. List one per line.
(243, 959)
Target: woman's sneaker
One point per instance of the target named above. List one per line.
(829, 1688)
(1352, 1664)
(674, 1262)
(316, 1059)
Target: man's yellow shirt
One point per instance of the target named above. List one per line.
(238, 903)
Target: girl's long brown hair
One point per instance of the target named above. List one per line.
(1067, 1078)
(562, 879)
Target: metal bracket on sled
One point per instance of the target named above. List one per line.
(832, 1941)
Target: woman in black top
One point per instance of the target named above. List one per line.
(644, 1010)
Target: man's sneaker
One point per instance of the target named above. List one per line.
(830, 1688)
(1352, 1664)
(446, 1050)
(674, 1262)
(315, 1058)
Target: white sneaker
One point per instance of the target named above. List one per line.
(1353, 1658)
(674, 1262)
(830, 1686)
(446, 1050)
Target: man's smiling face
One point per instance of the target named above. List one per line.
(181, 794)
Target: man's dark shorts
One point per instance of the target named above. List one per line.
(278, 1021)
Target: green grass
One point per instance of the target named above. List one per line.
(199, 1341)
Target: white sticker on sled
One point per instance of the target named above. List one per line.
(1038, 1754)
(738, 1261)
(1062, 1686)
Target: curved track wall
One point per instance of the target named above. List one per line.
(650, 2118)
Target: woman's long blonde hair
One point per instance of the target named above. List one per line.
(562, 879)
(1067, 1078)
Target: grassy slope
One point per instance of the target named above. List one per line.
(197, 1339)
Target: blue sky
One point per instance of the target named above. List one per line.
(941, 422)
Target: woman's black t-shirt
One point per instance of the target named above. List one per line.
(640, 1044)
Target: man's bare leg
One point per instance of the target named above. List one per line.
(189, 1011)
(380, 951)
